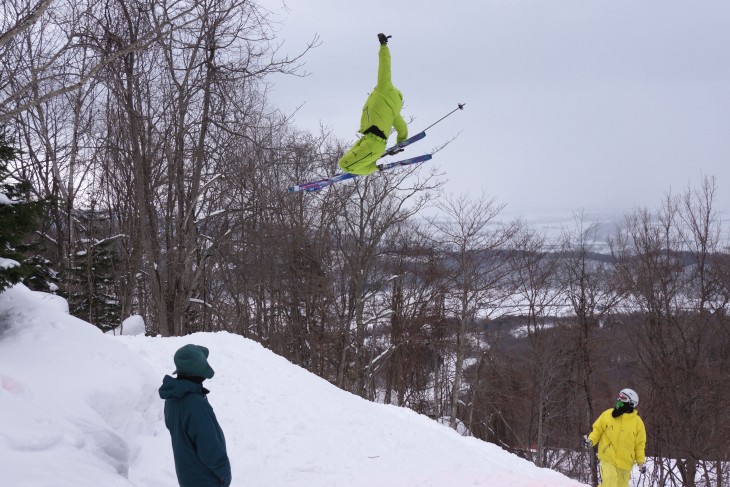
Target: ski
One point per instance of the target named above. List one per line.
(404, 162)
(402, 145)
(399, 147)
(323, 183)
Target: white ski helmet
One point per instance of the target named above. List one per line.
(629, 396)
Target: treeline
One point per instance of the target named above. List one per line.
(146, 131)
(653, 315)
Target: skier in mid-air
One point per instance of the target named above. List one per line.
(379, 115)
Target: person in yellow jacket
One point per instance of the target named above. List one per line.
(379, 115)
(620, 436)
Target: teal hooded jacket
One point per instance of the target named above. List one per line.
(198, 444)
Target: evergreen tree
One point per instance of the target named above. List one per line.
(18, 218)
(89, 285)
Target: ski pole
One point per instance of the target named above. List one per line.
(400, 146)
(459, 107)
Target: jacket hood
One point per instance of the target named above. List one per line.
(172, 388)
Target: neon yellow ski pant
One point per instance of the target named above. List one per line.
(612, 476)
(361, 158)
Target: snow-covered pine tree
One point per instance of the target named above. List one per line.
(18, 218)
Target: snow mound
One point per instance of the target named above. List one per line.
(80, 408)
(132, 326)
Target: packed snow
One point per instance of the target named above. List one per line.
(80, 408)
(4, 200)
(8, 263)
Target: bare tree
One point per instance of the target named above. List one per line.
(42, 40)
(664, 262)
(534, 273)
(279, 255)
(587, 281)
(370, 208)
(413, 340)
(180, 102)
(475, 244)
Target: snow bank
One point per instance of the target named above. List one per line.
(72, 401)
(134, 325)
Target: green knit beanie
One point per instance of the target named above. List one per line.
(192, 360)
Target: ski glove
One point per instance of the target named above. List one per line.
(642, 468)
(383, 39)
(587, 442)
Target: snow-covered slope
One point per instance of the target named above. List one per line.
(80, 408)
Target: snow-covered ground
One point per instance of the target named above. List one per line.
(80, 408)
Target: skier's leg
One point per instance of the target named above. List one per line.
(360, 159)
(608, 474)
(612, 476)
(623, 477)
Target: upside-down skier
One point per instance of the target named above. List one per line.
(379, 115)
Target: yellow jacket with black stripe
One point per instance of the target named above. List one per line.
(621, 441)
(383, 106)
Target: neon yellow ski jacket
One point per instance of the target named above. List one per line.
(384, 104)
(621, 441)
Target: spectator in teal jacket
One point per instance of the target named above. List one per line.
(198, 444)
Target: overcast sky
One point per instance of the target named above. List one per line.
(571, 104)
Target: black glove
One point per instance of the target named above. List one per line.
(587, 442)
(642, 468)
(383, 39)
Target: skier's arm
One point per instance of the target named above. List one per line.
(598, 428)
(640, 443)
(384, 79)
(401, 128)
